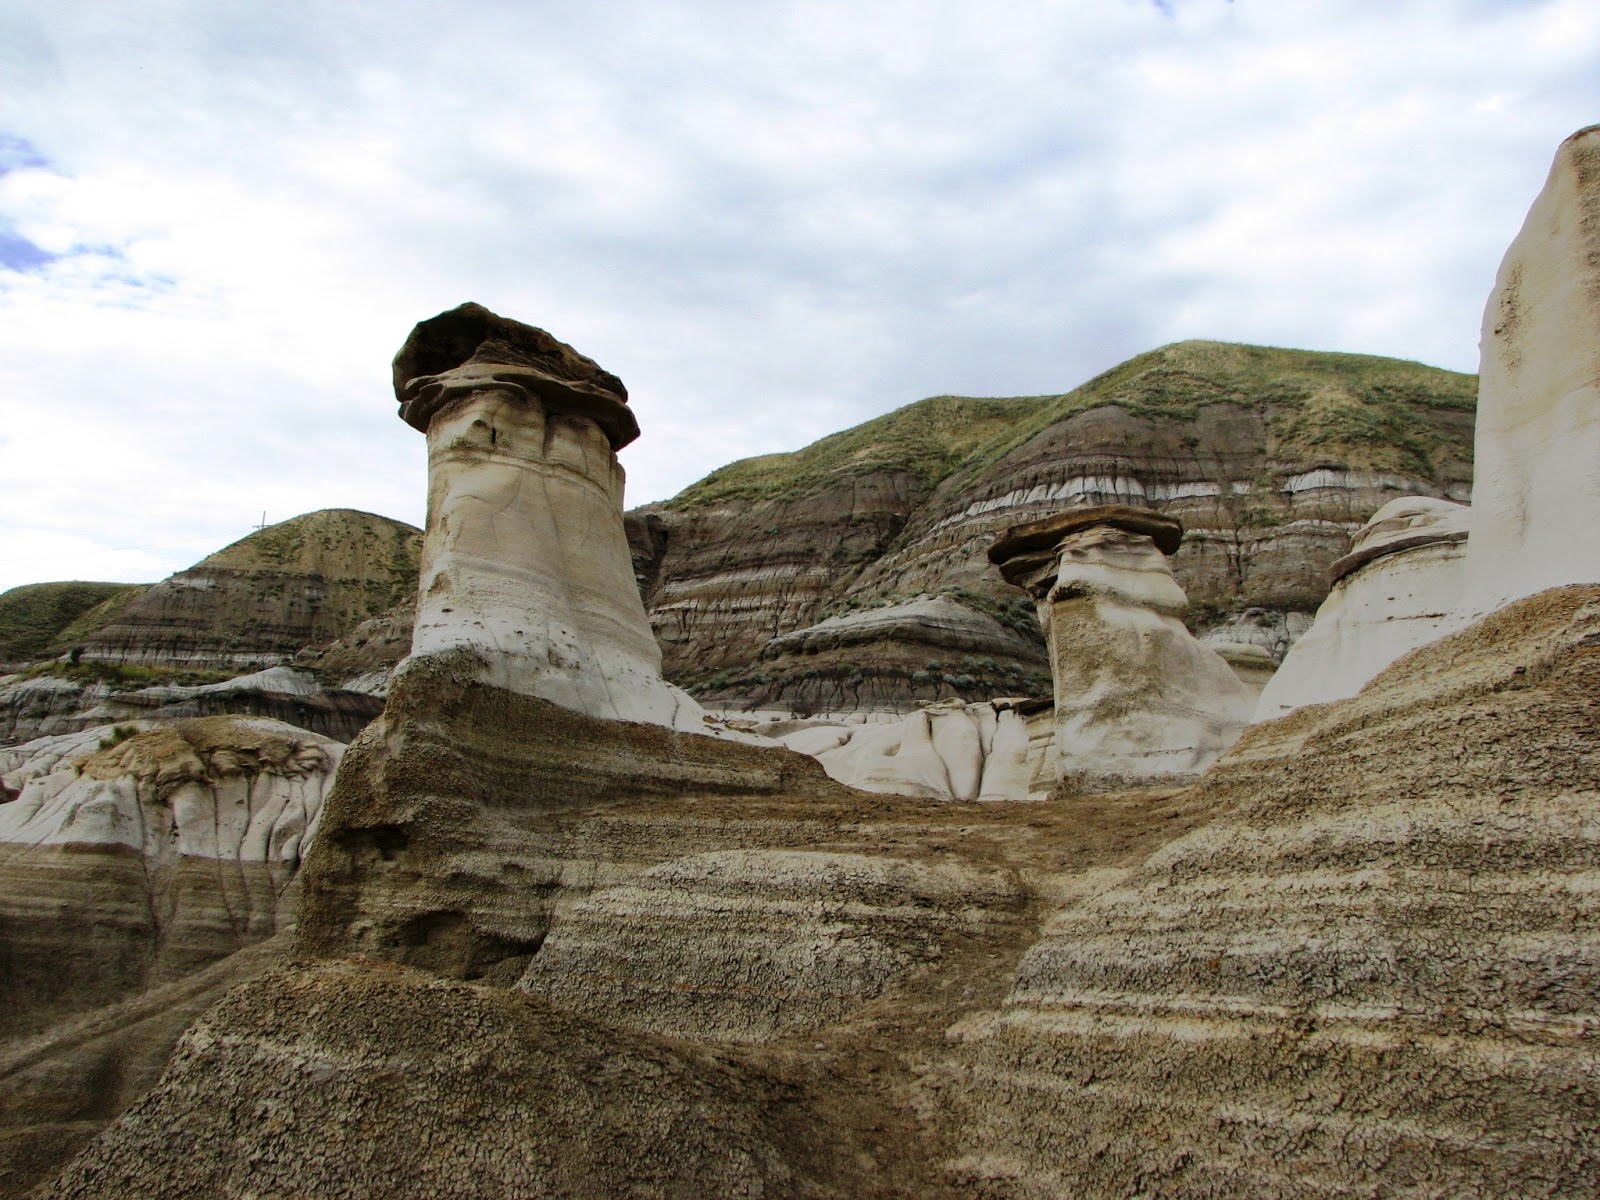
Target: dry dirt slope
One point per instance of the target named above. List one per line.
(1359, 959)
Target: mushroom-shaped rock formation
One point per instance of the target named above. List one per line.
(526, 581)
(1397, 589)
(1536, 482)
(1138, 699)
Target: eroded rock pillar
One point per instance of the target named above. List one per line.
(1137, 698)
(1536, 475)
(526, 579)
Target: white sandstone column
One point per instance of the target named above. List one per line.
(1138, 699)
(1536, 475)
(526, 577)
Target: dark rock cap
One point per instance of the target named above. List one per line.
(470, 347)
(1022, 548)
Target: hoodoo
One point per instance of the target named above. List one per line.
(1397, 589)
(1137, 697)
(526, 582)
(1537, 472)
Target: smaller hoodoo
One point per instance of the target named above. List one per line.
(1397, 589)
(1138, 699)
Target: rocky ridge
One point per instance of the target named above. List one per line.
(259, 601)
(1271, 458)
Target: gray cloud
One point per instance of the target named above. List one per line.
(772, 220)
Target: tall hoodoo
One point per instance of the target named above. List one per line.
(1138, 699)
(526, 579)
(1537, 473)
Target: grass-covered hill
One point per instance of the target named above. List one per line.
(39, 616)
(1362, 410)
(301, 582)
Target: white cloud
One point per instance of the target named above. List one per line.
(771, 220)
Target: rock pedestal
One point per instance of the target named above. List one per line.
(1137, 698)
(526, 581)
(1536, 485)
(1397, 589)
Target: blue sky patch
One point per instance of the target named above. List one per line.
(17, 253)
(16, 153)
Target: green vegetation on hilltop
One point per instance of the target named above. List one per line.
(380, 556)
(927, 439)
(35, 616)
(1364, 411)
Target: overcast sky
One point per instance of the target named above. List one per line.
(218, 221)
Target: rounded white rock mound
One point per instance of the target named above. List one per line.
(1397, 589)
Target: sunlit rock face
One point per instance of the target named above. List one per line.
(1537, 475)
(1137, 698)
(1397, 589)
(526, 580)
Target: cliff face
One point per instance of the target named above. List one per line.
(257, 602)
(1271, 458)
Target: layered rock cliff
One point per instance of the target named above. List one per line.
(1271, 458)
(257, 602)
(37, 617)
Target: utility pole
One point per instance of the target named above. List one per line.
(263, 524)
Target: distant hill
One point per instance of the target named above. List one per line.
(255, 603)
(1271, 457)
(35, 616)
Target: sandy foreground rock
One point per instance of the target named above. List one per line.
(1406, 1008)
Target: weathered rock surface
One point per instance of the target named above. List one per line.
(412, 1086)
(133, 856)
(526, 570)
(49, 704)
(1399, 588)
(1360, 959)
(949, 750)
(1372, 972)
(871, 660)
(749, 945)
(1538, 434)
(1271, 458)
(256, 603)
(1137, 698)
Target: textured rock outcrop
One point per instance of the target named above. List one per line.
(749, 945)
(135, 855)
(541, 1090)
(1137, 697)
(526, 573)
(1537, 483)
(1271, 458)
(949, 750)
(1399, 588)
(257, 602)
(1373, 972)
(49, 704)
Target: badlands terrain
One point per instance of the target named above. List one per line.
(1167, 788)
